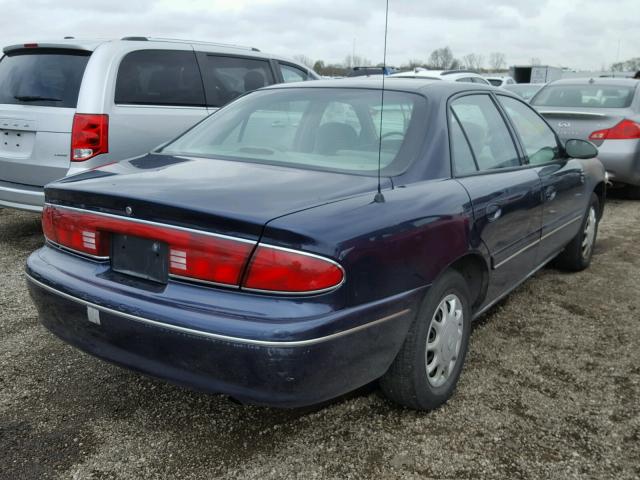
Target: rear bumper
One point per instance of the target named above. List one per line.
(23, 197)
(269, 361)
(621, 158)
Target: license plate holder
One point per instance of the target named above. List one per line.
(140, 257)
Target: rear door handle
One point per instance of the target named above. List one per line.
(493, 212)
(550, 194)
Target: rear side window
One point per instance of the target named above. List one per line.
(43, 77)
(226, 78)
(463, 161)
(487, 132)
(159, 77)
(292, 74)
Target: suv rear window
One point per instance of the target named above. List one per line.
(226, 78)
(43, 77)
(159, 77)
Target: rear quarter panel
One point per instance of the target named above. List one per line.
(386, 248)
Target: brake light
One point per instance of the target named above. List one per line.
(281, 270)
(75, 230)
(30, 45)
(625, 130)
(89, 136)
(197, 255)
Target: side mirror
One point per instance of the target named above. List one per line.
(580, 149)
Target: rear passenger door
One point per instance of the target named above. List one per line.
(158, 95)
(226, 77)
(563, 182)
(504, 194)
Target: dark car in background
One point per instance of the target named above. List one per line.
(304, 241)
(605, 111)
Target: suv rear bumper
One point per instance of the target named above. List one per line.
(23, 197)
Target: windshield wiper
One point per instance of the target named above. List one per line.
(35, 98)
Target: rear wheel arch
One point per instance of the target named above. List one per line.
(475, 271)
(601, 192)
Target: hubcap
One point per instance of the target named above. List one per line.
(444, 340)
(589, 234)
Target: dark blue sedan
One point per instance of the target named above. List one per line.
(309, 239)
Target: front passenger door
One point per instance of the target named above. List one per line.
(564, 192)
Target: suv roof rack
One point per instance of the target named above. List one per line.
(181, 40)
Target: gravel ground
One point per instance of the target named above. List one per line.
(550, 390)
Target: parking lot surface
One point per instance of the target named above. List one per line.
(551, 389)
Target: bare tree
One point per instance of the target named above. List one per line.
(473, 61)
(304, 60)
(351, 61)
(497, 61)
(441, 58)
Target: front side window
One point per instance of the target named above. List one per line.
(43, 77)
(292, 74)
(538, 139)
(590, 96)
(159, 77)
(322, 128)
(226, 78)
(487, 132)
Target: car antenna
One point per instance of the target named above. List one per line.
(379, 198)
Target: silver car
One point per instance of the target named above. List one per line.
(605, 111)
(71, 105)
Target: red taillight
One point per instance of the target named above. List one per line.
(89, 136)
(30, 45)
(75, 230)
(625, 130)
(197, 255)
(279, 270)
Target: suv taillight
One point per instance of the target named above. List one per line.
(89, 136)
(625, 130)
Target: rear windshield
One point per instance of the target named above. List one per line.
(590, 96)
(321, 128)
(495, 82)
(49, 78)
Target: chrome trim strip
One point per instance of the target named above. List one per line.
(196, 282)
(148, 222)
(511, 257)
(216, 336)
(546, 235)
(557, 229)
(76, 252)
(560, 112)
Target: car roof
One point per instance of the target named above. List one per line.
(91, 44)
(404, 84)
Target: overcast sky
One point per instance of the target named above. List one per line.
(582, 34)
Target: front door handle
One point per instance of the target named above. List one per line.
(493, 212)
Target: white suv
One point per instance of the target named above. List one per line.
(71, 105)
(447, 75)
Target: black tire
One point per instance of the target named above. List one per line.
(631, 192)
(574, 258)
(406, 382)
